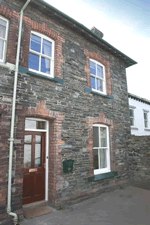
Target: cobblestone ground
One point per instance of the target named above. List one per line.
(129, 206)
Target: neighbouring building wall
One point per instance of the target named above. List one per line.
(139, 108)
(139, 158)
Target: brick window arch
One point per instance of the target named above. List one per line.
(42, 28)
(97, 57)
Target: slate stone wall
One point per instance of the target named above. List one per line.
(70, 110)
(139, 158)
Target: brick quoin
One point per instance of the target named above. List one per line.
(99, 58)
(5, 112)
(13, 18)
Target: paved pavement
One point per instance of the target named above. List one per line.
(129, 206)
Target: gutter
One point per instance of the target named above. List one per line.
(11, 139)
(144, 100)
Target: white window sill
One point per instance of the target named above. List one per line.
(134, 128)
(147, 129)
(9, 66)
(101, 171)
(98, 92)
(40, 73)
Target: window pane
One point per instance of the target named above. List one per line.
(132, 121)
(103, 161)
(2, 28)
(93, 82)
(100, 71)
(1, 49)
(146, 123)
(35, 43)
(92, 68)
(38, 139)
(131, 113)
(99, 85)
(95, 158)
(47, 48)
(30, 124)
(145, 116)
(45, 65)
(95, 137)
(40, 125)
(34, 61)
(27, 139)
(38, 151)
(27, 156)
(103, 137)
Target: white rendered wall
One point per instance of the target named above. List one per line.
(139, 107)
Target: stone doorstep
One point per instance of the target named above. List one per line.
(36, 209)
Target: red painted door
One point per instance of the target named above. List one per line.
(34, 167)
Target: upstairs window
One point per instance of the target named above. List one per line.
(3, 38)
(101, 152)
(145, 119)
(97, 72)
(132, 119)
(41, 56)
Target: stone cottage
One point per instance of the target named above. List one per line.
(64, 111)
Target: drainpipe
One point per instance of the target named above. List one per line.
(11, 139)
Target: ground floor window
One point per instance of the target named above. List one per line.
(101, 150)
(145, 113)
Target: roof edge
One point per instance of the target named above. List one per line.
(138, 98)
(127, 59)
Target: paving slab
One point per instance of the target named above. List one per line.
(129, 206)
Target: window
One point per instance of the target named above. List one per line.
(101, 152)
(132, 120)
(41, 57)
(3, 38)
(97, 72)
(145, 119)
(35, 124)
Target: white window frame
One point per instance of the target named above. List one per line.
(146, 120)
(40, 54)
(132, 108)
(97, 77)
(5, 40)
(107, 169)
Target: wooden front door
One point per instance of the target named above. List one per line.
(34, 167)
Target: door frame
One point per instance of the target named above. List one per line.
(46, 149)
